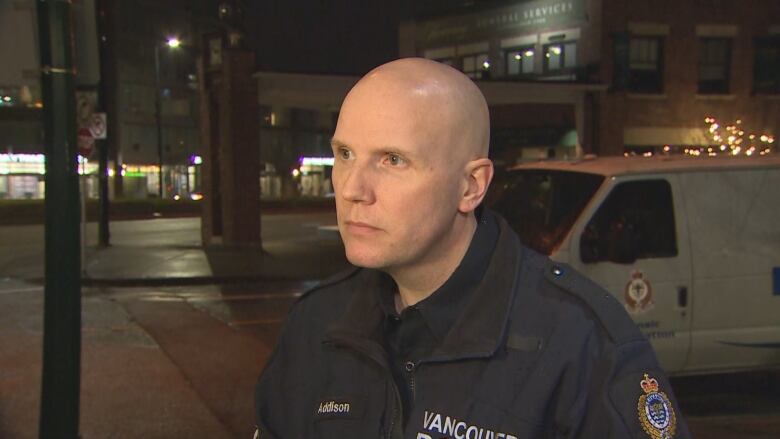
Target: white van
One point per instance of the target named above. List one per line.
(690, 246)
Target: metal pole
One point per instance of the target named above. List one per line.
(158, 116)
(83, 210)
(107, 85)
(59, 417)
(104, 234)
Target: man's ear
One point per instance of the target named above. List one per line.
(479, 173)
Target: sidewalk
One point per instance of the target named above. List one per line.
(153, 369)
(137, 266)
(148, 370)
(168, 252)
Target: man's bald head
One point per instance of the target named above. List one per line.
(448, 103)
(410, 169)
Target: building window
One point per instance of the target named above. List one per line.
(714, 65)
(520, 61)
(636, 221)
(766, 70)
(645, 65)
(476, 66)
(447, 61)
(560, 56)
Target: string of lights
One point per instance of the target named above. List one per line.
(732, 140)
(727, 140)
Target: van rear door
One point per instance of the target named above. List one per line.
(633, 241)
(734, 217)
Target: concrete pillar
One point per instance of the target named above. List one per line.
(229, 130)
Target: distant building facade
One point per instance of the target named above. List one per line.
(134, 28)
(138, 26)
(21, 129)
(664, 66)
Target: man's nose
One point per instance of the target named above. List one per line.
(357, 186)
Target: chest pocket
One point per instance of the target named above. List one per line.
(504, 380)
(343, 416)
(491, 394)
(352, 397)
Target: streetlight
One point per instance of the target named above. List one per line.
(171, 43)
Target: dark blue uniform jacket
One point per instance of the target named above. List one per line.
(538, 352)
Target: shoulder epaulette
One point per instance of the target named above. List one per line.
(608, 310)
(332, 280)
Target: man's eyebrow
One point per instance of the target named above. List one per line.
(335, 143)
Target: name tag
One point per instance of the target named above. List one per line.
(343, 407)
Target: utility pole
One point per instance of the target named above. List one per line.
(59, 416)
(107, 85)
(158, 114)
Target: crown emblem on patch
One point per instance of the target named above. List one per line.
(649, 385)
(655, 411)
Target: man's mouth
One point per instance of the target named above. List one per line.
(360, 227)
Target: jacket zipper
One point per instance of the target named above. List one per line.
(409, 366)
(367, 352)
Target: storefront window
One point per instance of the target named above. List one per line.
(476, 66)
(520, 61)
(560, 56)
(25, 187)
(313, 176)
(21, 96)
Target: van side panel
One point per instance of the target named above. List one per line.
(734, 229)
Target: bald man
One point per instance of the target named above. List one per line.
(448, 327)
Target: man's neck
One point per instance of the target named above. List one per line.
(417, 282)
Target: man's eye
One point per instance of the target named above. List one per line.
(345, 154)
(395, 159)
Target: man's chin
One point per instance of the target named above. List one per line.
(365, 259)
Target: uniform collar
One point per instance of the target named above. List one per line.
(441, 309)
(476, 332)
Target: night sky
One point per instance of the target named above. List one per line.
(336, 36)
(323, 36)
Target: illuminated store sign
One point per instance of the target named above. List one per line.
(317, 161)
(22, 158)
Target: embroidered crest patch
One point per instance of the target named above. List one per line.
(655, 411)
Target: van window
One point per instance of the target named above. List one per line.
(636, 221)
(542, 205)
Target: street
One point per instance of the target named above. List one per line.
(181, 361)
